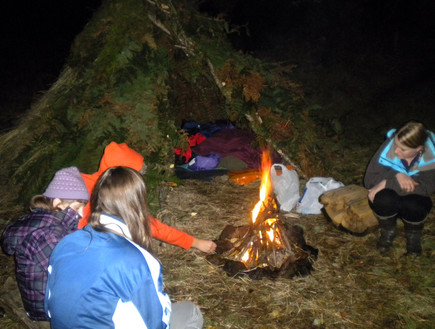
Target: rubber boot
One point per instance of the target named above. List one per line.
(413, 233)
(387, 226)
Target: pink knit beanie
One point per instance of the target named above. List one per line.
(67, 184)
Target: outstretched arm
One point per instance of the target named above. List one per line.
(207, 246)
(179, 238)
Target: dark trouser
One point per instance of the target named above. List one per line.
(412, 209)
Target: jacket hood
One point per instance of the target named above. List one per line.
(114, 155)
(120, 155)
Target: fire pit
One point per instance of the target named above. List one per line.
(267, 247)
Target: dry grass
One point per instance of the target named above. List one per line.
(352, 285)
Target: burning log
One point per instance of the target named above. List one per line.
(266, 247)
(241, 250)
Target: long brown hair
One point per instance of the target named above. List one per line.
(121, 192)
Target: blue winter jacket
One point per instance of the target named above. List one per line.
(103, 280)
(386, 165)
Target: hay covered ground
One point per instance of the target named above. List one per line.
(352, 285)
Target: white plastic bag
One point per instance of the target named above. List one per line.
(315, 187)
(285, 186)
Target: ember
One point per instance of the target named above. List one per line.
(267, 246)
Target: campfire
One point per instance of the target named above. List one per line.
(267, 246)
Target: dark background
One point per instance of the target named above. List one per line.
(35, 39)
(366, 65)
(371, 58)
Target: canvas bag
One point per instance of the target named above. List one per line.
(285, 186)
(315, 187)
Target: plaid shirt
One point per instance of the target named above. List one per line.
(31, 239)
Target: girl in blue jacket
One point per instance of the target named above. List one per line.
(105, 275)
(401, 178)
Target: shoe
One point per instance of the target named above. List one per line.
(387, 226)
(413, 233)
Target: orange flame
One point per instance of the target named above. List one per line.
(246, 255)
(266, 186)
(269, 236)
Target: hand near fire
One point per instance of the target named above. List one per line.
(206, 246)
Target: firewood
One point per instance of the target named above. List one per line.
(348, 207)
(286, 258)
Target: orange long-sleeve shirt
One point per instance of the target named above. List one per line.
(121, 155)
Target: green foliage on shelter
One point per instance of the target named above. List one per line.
(136, 71)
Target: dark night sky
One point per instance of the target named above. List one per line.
(36, 36)
(35, 40)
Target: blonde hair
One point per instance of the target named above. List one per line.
(412, 134)
(121, 192)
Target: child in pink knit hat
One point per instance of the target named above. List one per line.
(32, 238)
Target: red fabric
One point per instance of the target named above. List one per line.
(121, 155)
(196, 139)
(193, 141)
(235, 142)
(187, 154)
